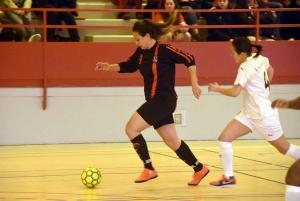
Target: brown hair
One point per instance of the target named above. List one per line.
(243, 44)
(165, 15)
(154, 29)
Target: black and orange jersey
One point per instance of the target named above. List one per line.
(157, 66)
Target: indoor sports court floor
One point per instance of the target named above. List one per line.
(52, 172)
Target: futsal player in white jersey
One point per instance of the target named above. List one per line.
(253, 78)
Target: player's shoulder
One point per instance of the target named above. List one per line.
(166, 47)
(260, 58)
(243, 66)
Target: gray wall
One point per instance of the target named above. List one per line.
(99, 114)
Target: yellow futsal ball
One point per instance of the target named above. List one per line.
(91, 177)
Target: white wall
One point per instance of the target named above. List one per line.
(94, 114)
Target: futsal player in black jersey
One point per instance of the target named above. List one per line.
(156, 62)
(292, 178)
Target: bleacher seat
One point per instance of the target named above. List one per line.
(102, 18)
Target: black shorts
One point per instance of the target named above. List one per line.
(158, 111)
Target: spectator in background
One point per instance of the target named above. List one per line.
(177, 35)
(21, 17)
(123, 5)
(248, 18)
(273, 4)
(151, 4)
(222, 18)
(291, 17)
(285, 3)
(8, 34)
(55, 18)
(191, 18)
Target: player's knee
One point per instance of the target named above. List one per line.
(128, 129)
(224, 138)
(174, 144)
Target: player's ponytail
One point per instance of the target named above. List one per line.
(154, 29)
(258, 50)
(243, 44)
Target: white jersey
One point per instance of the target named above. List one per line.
(253, 77)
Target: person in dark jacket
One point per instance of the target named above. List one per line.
(249, 18)
(292, 17)
(221, 18)
(156, 62)
(55, 18)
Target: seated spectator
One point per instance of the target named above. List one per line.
(123, 5)
(291, 17)
(191, 4)
(21, 17)
(248, 18)
(221, 18)
(178, 35)
(274, 4)
(151, 4)
(191, 18)
(8, 34)
(207, 4)
(285, 3)
(55, 18)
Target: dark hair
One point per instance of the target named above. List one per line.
(243, 44)
(165, 15)
(154, 29)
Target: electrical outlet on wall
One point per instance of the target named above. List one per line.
(179, 117)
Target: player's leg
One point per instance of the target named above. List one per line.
(286, 148)
(272, 131)
(150, 113)
(169, 135)
(236, 128)
(292, 180)
(135, 125)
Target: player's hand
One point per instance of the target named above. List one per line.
(280, 103)
(196, 90)
(213, 87)
(102, 66)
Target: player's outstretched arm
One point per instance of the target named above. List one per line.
(292, 104)
(107, 67)
(194, 81)
(234, 91)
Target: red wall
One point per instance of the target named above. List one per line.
(72, 64)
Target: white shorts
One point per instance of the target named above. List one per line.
(269, 127)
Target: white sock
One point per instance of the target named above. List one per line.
(293, 152)
(292, 193)
(226, 155)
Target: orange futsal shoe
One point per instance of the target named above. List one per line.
(198, 176)
(224, 182)
(146, 176)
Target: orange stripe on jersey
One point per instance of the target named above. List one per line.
(182, 53)
(140, 59)
(154, 70)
